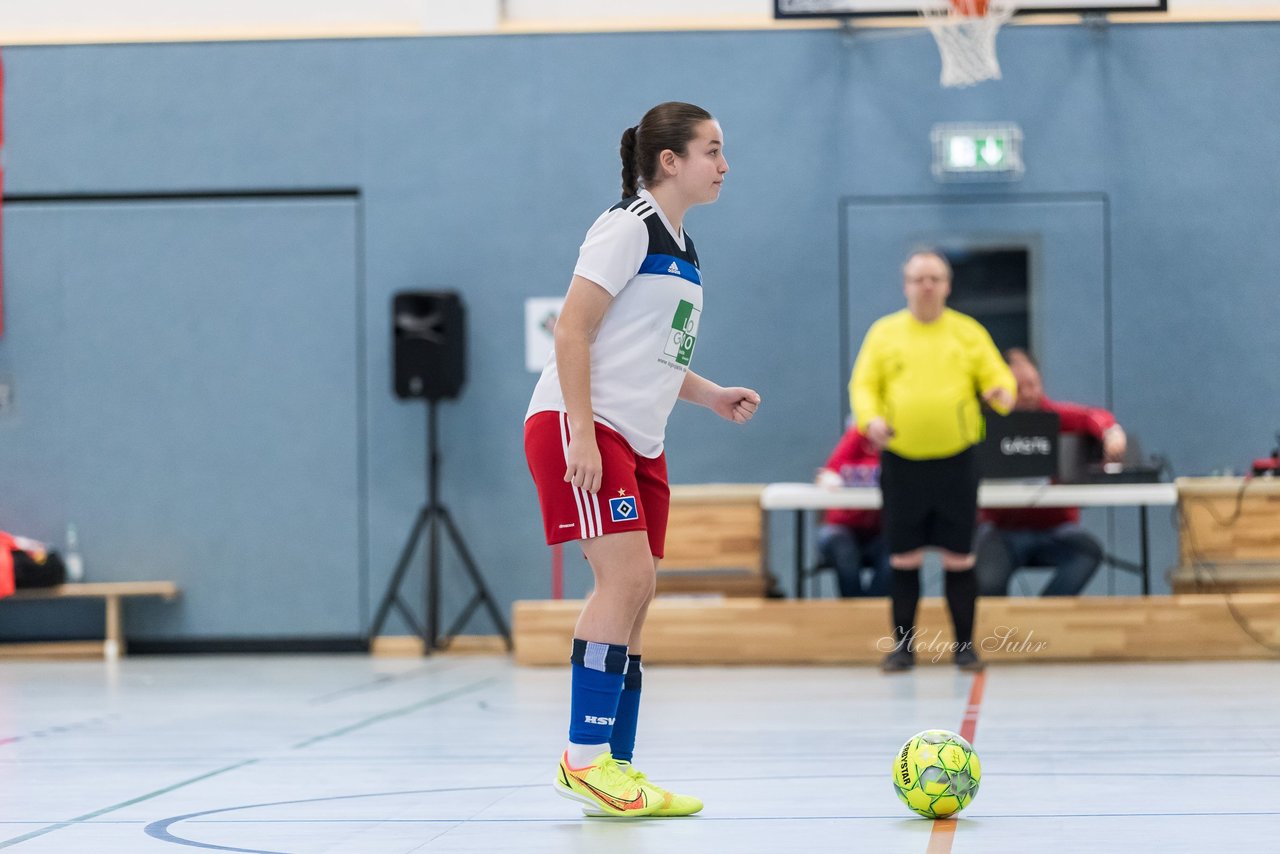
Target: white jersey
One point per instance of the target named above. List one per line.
(642, 349)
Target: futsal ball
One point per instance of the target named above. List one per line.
(936, 773)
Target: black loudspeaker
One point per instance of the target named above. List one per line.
(429, 342)
(429, 352)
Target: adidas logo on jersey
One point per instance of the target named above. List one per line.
(674, 268)
(594, 719)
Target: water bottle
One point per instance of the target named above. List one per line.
(72, 559)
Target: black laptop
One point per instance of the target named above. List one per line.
(1080, 461)
(1019, 446)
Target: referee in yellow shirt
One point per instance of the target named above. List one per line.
(915, 391)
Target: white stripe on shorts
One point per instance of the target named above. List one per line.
(585, 498)
(588, 503)
(577, 499)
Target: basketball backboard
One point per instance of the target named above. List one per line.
(865, 8)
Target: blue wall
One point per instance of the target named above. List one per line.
(476, 164)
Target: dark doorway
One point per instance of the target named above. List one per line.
(991, 285)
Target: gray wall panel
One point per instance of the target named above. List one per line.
(481, 161)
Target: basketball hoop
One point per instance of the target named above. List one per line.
(966, 34)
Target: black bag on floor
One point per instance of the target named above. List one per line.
(29, 571)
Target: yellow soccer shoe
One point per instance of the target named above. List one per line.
(603, 788)
(673, 804)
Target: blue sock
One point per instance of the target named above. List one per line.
(623, 740)
(597, 681)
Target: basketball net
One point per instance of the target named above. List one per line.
(966, 34)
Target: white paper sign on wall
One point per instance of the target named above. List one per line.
(540, 315)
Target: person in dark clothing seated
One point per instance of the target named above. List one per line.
(850, 540)
(1045, 536)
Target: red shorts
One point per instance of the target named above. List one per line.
(633, 496)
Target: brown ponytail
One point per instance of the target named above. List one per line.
(628, 151)
(667, 126)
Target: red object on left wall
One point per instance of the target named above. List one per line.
(1, 195)
(6, 565)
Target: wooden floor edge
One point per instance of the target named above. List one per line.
(53, 649)
(920, 663)
(1186, 627)
(1046, 602)
(406, 646)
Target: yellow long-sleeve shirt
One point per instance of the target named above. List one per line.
(924, 380)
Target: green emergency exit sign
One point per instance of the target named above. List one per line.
(977, 152)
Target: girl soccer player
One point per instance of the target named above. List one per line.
(594, 435)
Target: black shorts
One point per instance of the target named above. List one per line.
(930, 502)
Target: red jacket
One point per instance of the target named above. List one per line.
(853, 459)
(6, 565)
(1073, 418)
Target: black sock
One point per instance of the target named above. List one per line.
(905, 593)
(962, 595)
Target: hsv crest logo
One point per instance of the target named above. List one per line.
(623, 509)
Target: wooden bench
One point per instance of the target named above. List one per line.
(113, 593)
(1226, 578)
(772, 632)
(1229, 540)
(716, 541)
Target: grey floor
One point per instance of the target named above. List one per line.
(352, 754)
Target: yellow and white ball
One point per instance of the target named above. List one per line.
(936, 773)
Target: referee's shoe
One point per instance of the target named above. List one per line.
(900, 660)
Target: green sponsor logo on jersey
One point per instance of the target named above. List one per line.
(684, 332)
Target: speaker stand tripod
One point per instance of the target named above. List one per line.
(431, 518)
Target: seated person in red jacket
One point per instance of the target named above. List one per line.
(1044, 536)
(851, 539)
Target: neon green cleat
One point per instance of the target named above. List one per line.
(672, 804)
(603, 788)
